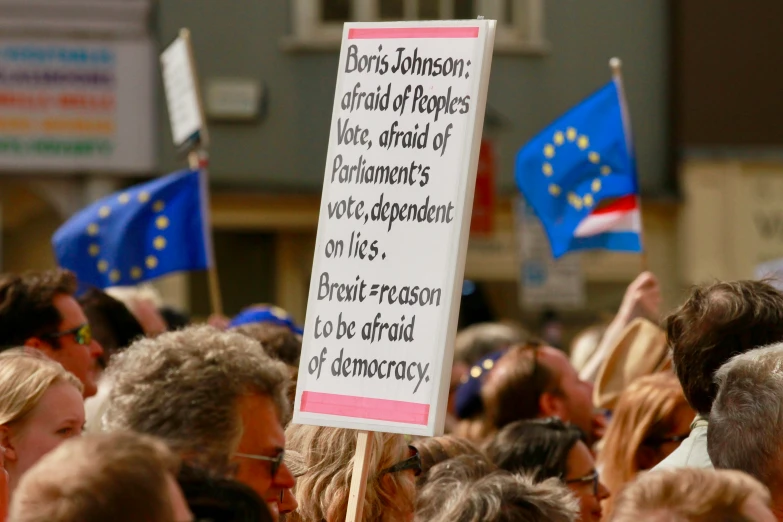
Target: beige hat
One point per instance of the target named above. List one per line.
(640, 350)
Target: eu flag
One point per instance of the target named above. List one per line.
(138, 234)
(582, 158)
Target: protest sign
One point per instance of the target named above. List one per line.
(544, 281)
(183, 99)
(189, 129)
(394, 224)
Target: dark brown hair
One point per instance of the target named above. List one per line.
(113, 325)
(26, 308)
(718, 321)
(538, 447)
(514, 386)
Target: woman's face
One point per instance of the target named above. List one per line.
(650, 454)
(590, 492)
(681, 425)
(58, 416)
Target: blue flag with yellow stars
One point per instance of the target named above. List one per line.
(580, 160)
(138, 234)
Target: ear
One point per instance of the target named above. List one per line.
(551, 405)
(646, 458)
(36, 343)
(5, 442)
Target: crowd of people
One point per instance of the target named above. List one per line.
(115, 408)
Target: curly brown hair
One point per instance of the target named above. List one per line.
(26, 308)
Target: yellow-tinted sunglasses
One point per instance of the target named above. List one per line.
(82, 334)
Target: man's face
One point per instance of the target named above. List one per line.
(79, 359)
(577, 395)
(262, 435)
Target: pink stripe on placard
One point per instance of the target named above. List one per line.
(365, 408)
(413, 32)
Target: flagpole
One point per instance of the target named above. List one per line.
(615, 64)
(199, 159)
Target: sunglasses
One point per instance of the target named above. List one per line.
(276, 461)
(592, 477)
(82, 334)
(413, 462)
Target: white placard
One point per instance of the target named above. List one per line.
(394, 224)
(182, 96)
(543, 280)
(77, 105)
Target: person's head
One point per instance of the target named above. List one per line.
(434, 450)
(473, 344)
(718, 321)
(38, 310)
(328, 455)
(144, 302)
(214, 397)
(122, 477)
(502, 497)
(42, 406)
(693, 495)
(113, 326)
(532, 381)
(548, 448)
(216, 498)
(746, 419)
(649, 422)
(279, 341)
(457, 471)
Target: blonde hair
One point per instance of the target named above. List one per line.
(645, 409)
(328, 454)
(688, 495)
(119, 476)
(25, 376)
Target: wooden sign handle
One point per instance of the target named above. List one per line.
(361, 470)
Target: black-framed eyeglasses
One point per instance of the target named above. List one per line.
(413, 462)
(82, 334)
(592, 477)
(660, 441)
(275, 461)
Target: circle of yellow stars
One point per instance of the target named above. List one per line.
(560, 138)
(479, 369)
(158, 243)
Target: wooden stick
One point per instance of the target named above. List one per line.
(197, 159)
(361, 470)
(615, 64)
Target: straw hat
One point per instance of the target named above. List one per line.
(640, 350)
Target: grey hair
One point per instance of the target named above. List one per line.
(184, 387)
(504, 497)
(435, 495)
(747, 415)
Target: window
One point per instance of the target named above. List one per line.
(317, 24)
